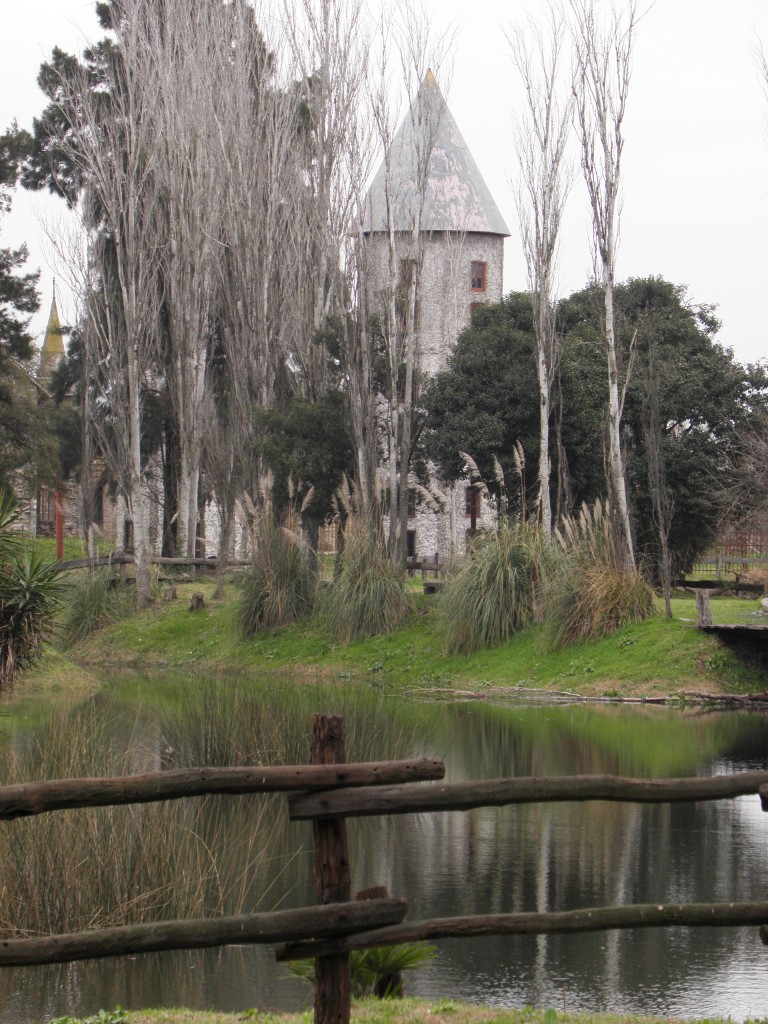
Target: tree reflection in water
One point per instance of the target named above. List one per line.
(547, 857)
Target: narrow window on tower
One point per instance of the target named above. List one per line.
(478, 276)
(403, 300)
(406, 273)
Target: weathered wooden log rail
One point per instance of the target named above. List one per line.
(566, 922)
(127, 559)
(277, 926)
(463, 796)
(327, 792)
(30, 798)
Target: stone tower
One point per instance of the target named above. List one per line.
(429, 207)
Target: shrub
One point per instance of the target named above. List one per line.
(280, 587)
(592, 594)
(368, 597)
(29, 596)
(495, 590)
(94, 600)
(376, 971)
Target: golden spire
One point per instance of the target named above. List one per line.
(52, 351)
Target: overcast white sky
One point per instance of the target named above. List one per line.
(696, 158)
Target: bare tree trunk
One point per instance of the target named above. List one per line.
(419, 56)
(140, 542)
(663, 506)
(541, 134)
(603, 54)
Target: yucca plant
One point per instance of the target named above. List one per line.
(495, 591)
(367, 597)
(29, 597)
(592, 594)
(94, 600)
(9, 517)
(376, 971)
(280, 587)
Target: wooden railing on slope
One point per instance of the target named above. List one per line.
(329, 791)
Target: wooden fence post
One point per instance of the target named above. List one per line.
(332, 879)
(703, 608)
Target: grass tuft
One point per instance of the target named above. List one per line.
(494, 593)
(280, 587)
(592, 594)
(94, 600)
(368, 596)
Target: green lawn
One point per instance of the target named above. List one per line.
(396, 1011)
(74, 547)
(656, 657)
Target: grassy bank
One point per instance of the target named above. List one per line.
(652, 658)
(404, 1011)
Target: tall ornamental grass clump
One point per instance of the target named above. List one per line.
(94, 600)
(29, 597)
(280, 586)
(104, 866)
(592, 594)
(367, 597)
(495, 591)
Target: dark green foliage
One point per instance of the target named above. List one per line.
(18, 293)
(23, 435)
(280, 587)
(488, 398)
(495, 591)
(29, 596)
(308, 444)
(367, 597)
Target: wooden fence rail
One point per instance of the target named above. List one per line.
(121, 558)
(462, 796)
(327, 792)
(202, 933)
(589, 919)
(31, 798)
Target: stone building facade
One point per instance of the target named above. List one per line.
(449, 231)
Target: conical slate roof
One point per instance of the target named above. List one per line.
(455, 197)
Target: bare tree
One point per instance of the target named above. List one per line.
(110, 140)
(541, 135)
(330, 44)
(603, 50)
(662, 502)
(406, 161)
(183, 53)
(258, 164)
(761, 60)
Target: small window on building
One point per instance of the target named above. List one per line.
(473, 308)
(410, 540)
(411, 502)
(472, 502)
(478, 276)
(407, 269)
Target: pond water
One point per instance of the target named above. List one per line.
(549, 857)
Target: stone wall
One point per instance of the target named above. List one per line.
(444, 293)
(445, 298)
